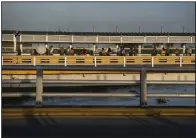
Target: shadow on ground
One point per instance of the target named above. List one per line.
(35, 127)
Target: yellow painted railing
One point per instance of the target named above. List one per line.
(98, 60)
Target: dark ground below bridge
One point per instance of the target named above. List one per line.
(137, 127)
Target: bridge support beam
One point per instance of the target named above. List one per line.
(143, 88)
(39, 87)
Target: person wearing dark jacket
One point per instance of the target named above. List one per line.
(131, 52)
(154, 52)
(62, 51)
(167, 52)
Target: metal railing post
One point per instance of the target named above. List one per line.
(152, 60)
(124, 61)
(143, 87)
(180, 61)
(65, 61)
(34, 60)
(95, 60)
(39, 87)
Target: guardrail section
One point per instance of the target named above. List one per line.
(98, 60)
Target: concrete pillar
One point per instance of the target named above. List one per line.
(143, 87)
(39, 86)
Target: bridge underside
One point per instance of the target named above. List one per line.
(97, 79)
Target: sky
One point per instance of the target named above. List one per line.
(82, 16)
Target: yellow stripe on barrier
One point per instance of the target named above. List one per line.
(100, 60)
(11, 112)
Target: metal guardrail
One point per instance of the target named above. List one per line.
(98, 60)
(99, 39)
(45, 94)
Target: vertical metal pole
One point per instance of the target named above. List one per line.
(95, 60)
(139, 29)
(183, 29)
(46, 44)
(143, 87)
(2, 60)
(97, 39)
(180, 61)
(116, 29)
(21, 45)
(39, 87)
(139, 49)
(152, 60)
(94, 49)
(161, 29)
(72, 39)
(34, 60)
(124, 61)
(184, 47)
(14, 42)
(65, 61)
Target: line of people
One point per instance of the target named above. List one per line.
(133, 51)
(168, 52)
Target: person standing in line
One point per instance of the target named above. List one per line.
(163, 52)
(177, 52)
(71, 53)
(109, 52)
(154, 52)
(134, 51)
(84, 52)
(131, 51)
(123, 51)
(167, 51)
(186, 52)
(103, 53)
(62, 51)
(118, 52)
(190, 51)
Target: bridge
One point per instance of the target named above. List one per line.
(92, 37)
(27, 38)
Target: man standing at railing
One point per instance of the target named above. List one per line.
(131, 51)
(135, 51)
(62, 51)
(163, 52)
(177, 52)
(190, 51)
(154, 52)
(167, 51)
